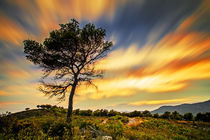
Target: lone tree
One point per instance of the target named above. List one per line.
(67, 58)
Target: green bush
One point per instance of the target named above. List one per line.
(178, 137)
(123, 119)
(7, 124)
(46, 126)
(58, 129)
(115, 128)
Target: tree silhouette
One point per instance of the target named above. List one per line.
(67, 58)
(188, 116)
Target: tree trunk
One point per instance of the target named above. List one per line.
(70, 106)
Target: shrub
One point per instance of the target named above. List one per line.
(7, 123)
(156, 115)
(188, 116)
(166, 115)
(177, 137)
(58, 129)
(46, 126)
(115, 128)
(27, 109)
(146, 113)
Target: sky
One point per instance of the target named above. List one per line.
(160, 54)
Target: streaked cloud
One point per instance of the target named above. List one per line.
(171, 64)
(4, 104)
(48, 14)
(45, 16)
(199, 20)
(11, 31)
(2, 93)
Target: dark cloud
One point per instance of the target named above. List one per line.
(10, 52)
(134, 21)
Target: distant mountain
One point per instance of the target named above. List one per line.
(184, 108)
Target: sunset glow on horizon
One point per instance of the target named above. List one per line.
(160, 56)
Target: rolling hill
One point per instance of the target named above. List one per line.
(184, 108)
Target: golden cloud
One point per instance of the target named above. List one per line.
(198, 17)
(169, 65)
(11, 31)
(6, 103)
(18, 74)
(48, 14)
(2, 93)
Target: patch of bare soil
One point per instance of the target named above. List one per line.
(104, 121)
(134, 121)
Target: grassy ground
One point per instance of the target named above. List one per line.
(46, 124)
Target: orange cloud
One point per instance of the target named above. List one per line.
(46, 15)
(164, 80)
(20, 89)
(170, 65)
(49, 14)
(173, 47)
(201, 14)
(6, 103)
(11, 31)
(2, 93)
(18, 74)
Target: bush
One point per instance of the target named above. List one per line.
(58, 129)
(115, 128)
(166, 115)
(176, 116)
(123, 119)
(203, 117)
(7, 124)
(179, 138)
(31, 132)
(156, 115)
(46, 126)
(188, 116)
(146, 113)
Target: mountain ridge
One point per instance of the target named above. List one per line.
(194, 108)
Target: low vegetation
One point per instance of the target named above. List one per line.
(48, 122)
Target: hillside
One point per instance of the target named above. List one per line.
(184, 108)
(51, 124)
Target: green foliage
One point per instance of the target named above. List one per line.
(7, 124)
(115, 128)
(113, 113)
(85, 112)
(58, 129)
(54, 127)
(166, 115)
(203, 117)
(188, 116)
(29, 131)
(146, 113)
(123, 119)
(156, 115)
(102, 112)
(176, 116)
(46, 126)
(135, 114)
(178, 137)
